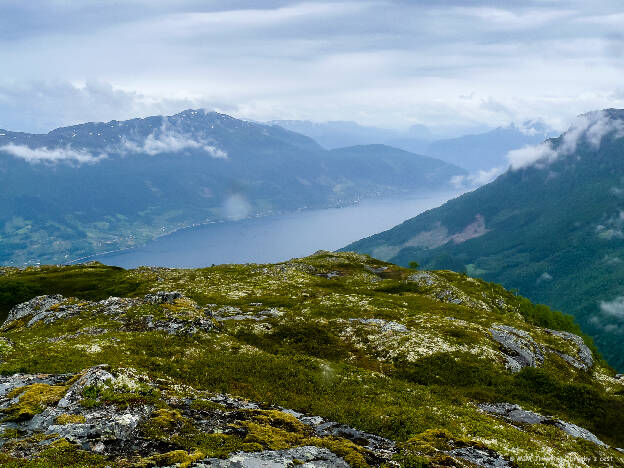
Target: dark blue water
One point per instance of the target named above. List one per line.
(275, 238)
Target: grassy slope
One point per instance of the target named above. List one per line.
(315, 360)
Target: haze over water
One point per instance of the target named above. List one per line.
(275, 238)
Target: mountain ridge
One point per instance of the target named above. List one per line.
(548, 226)
(97, 187)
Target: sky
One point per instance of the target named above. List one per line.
(389, 63)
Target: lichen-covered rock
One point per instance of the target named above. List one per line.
(481, 457)
(46, 308)
(516, 414)
(384, 325)
(584, 358)
(163, 297)
(423, 278)
(520, 349)
(306, 457)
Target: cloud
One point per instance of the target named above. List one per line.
(50, 155)
(389, 63)
(614, 308)
(168, 140)
(41, 106)
(591, 127)
(476, 179)
(236, 207)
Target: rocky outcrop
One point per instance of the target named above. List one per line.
(182, 315)
(584, 359)
(82, 410)
(481, 457)
(306, 457)
(422, 278)
(45, 308)
(519, 348)
(517, 414)
(384, 325)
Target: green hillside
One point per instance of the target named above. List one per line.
(552, 230)
(330, 360)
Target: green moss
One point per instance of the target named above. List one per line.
(70, 419)
(109, 393)
(180, 458)
(33, 399)
(10, 434)
(207, 405)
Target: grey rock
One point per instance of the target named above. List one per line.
(307, 456)
(385, 325)
(9, 383)
(234, 313)
(38, 308)
(584, 359)
(163, 297)
(380, 446)
(174, 326)
(520, 349)
(449, 296)
(515, 413)
(422, 278)
(97, 375)
(481, 457)
(579, 432)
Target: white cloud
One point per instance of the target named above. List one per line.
(614, 308)
(236, 207)
(43, 154)
(592, 127)
(167, 140)
(476, 179)
(528, 155)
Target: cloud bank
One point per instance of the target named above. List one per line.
(387, 63)
(592, 128)
(50, 155)
(169, 141)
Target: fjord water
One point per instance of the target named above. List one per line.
(275, 238)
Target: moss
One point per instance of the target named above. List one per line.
(120, 395)
(180, 458)
(33, 399)
(207, 405)
(166, 423)
(10, 434)
(70, 419)
(65, 454)
(353, 454)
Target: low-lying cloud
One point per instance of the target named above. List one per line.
(50, 155)
(592, 127)
(170, 141)
(614, 308)
(476, 179)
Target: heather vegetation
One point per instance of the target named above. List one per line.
(403, 354)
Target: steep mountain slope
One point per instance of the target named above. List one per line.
(551, 227)
(333, 360)
(487, 150)
(103, 186)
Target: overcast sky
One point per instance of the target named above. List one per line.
(382, 62)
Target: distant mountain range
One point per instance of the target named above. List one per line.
(552, 226)
(96, 187)
(473, 152)
(488, 150)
